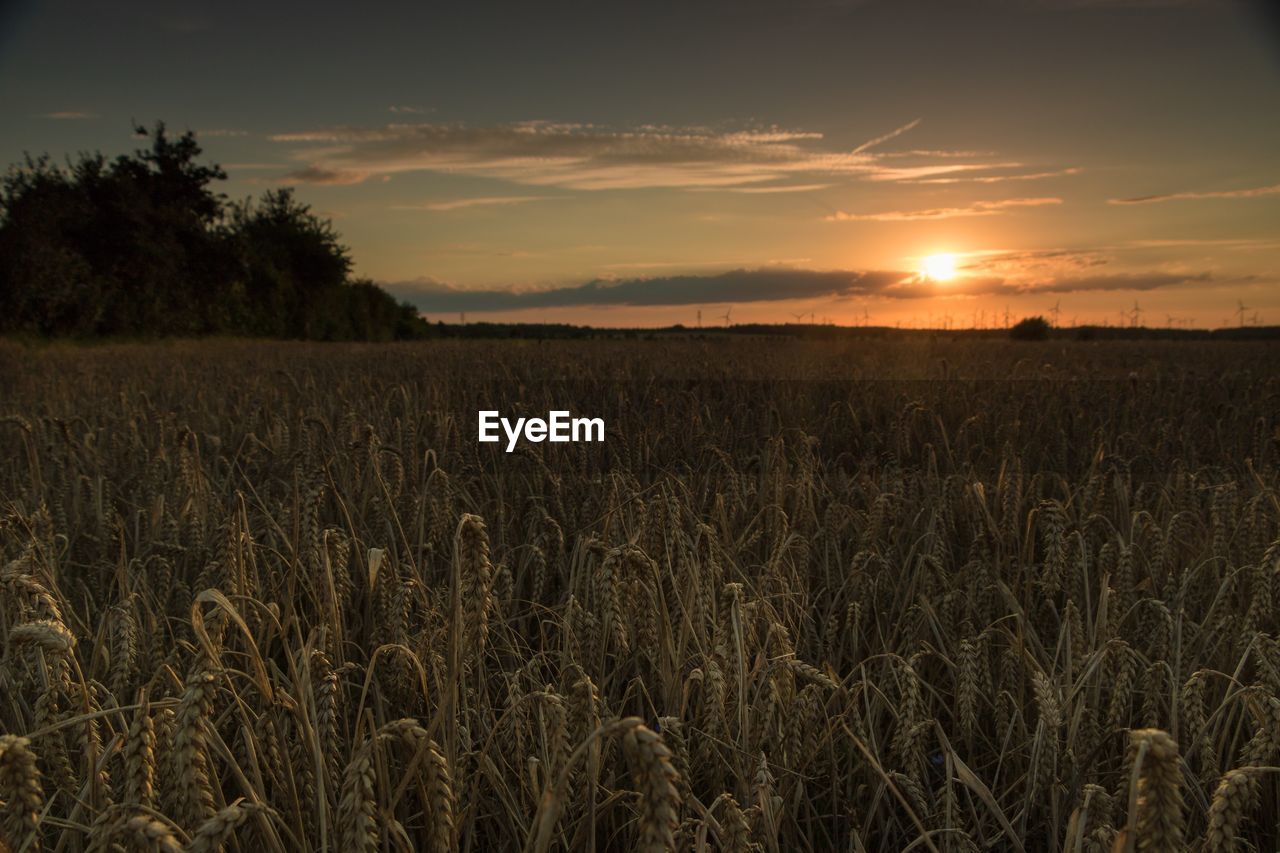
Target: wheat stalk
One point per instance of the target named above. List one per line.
(1234, 798)
(20, 792)
(1156, 819)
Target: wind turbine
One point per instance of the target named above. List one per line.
(725, 316)
(1137, 312)
(1006, 316)
(799, 316)
(1240, 309)
(1255, 320)
(1055, 311)
(699, 318)
(1170, 318)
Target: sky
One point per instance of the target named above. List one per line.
(631, 164)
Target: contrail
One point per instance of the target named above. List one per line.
(890, 135)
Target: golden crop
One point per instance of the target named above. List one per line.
(873, 596)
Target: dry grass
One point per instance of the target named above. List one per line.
(806, 596)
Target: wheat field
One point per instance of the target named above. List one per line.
(925, 595)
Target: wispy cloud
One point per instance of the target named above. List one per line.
(658, 265)
(591, 157)
(1252, 192)
(222, 132)
(1037, 267)
(994, 285)
(788, 263)
(940, 153)
(1034, 262)
(977, 208)
(766, 285)
(1243, 244)
(480, 201)
(783, 188)
(401, 109)
(1126, 281)
(69, 115)
(916, 174)
(1000, 179)
(327, 177)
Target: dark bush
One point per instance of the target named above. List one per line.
(1030, 329)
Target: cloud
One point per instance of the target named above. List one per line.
(763, 285)
(1124, 281)
(1244, 244)
(1253, 192)
(592, 157)
(784, 188)
(326, 177)
(977, 208)
(69, 115)
(916, 174)
(999, 179)
(222, 132)
(993, 285)
(657, 265)
(1070, 267)
(940, 153)
(1042, 262)
(481, 201)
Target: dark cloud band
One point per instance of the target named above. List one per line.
(762, 285)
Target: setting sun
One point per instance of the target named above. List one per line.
(940, 267)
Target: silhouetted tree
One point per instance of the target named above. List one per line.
(111, 247)
(289, 261)
(1030, 329)
(141, 245)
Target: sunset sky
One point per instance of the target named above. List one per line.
(636, 163)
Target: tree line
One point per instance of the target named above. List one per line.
(142, 246)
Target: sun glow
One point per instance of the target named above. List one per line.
(940, 267)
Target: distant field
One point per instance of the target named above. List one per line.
(856, 595)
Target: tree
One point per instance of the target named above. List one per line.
(46, 282)
(290, 262)
(142, 245)
(115, 247)
(1030, 329)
